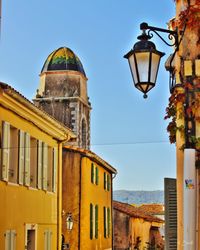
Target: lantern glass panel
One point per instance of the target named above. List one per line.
(143, 65)
(131, 60)
(154, 67)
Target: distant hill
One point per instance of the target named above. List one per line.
(139, 197)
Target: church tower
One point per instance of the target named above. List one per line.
(63, 93)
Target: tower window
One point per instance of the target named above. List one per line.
(84, 134)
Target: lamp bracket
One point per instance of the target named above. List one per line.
(172, 34)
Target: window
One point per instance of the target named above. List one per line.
(13, 155)
(47, 239)
(10, 240)
(107, 181)
(94, 221)
(107, 222)
(94, 174)
(46, 167)
(9, 171)
(84, 134)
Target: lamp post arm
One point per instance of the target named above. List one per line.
(172, 33)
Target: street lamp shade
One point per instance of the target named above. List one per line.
(69, 222)
(144, 62)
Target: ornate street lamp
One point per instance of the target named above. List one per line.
(144, 59)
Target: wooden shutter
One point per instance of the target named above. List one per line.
(46, 240)
(108, 221)
(96, 221)
(104, 180)
(12, 240)
(21, 156)
(45, 166)
(170, 214)
(105, 221)
(92, 172)
(27, 159)
(55, 167)
(97, 175)
(91, 221)
(39, 165)
(109, 182)
(5, 151)
(7, 240)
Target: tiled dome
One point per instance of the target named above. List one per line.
(63, 59)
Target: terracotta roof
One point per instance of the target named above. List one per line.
(134, 212)
(92, 156)
(153, 209)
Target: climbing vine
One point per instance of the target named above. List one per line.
(176, 110)
(176, 107)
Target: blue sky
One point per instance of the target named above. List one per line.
(127, 131)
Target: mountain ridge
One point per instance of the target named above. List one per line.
(139, 197)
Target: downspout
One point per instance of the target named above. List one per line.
(113, 176)
(59, 199)
(80, 202)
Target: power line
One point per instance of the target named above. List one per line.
(128, 143)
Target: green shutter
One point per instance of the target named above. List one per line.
(96, 221)
(108, 217)
(92, 173)
(91, 221)
(104, 180)
(104, 220)
(108, 188)
(97, 175)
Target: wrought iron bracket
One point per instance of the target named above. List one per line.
(172, 34)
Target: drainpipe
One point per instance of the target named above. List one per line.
(80, 201)
(59, 198)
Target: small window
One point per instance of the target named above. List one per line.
(10, 240)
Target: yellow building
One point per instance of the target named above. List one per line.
(30, 174)
(87, 199)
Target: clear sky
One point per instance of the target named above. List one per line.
(127, 131)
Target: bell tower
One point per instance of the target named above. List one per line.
(63, 94)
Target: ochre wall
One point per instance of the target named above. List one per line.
(21, 205)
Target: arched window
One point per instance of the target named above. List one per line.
(84, 134)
